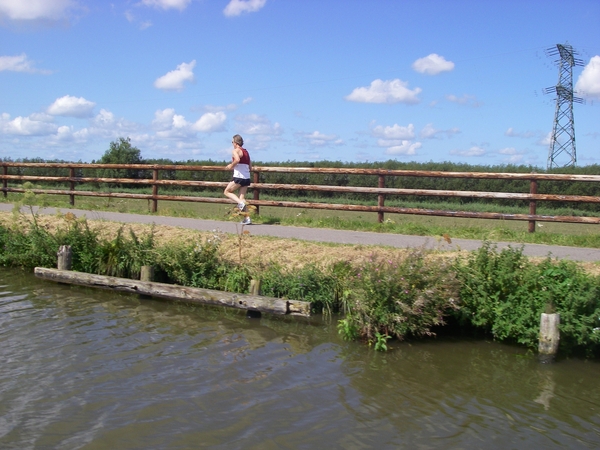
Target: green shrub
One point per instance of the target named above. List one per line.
(27, 248)
(402, 297)
(504, 293)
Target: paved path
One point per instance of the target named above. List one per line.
(328, 235)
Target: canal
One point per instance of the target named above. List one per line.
(91, 369)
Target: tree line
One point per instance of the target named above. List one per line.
(121, 151)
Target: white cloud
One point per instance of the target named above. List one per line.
(588, 83)
(394, 132)
(142, 24)
(163, 119)
(473, 151)
(66, 134)
(71, 107)
(405, 148)
(257, 125)
(167, 4)
(173, 80)
(546, 140)
(170, 125)
(260, 128)
(318, 139)
(36, 9)
(429, 132)
(18, 64)
(523, 134)
(104, 118)
(105, 124)
(34, 125)
(470, 100)
(392, 91)
(432, 65)
(513, 156)
(210, 122)
(237, 7)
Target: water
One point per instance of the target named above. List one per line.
(91, 369)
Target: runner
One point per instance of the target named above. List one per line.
(241, 165)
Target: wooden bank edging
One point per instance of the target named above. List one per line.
(178, 293)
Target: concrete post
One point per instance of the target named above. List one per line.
(549, 334)
(65, 257)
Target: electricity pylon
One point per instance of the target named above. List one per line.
(562, 142)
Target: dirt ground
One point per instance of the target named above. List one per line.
(254, 250)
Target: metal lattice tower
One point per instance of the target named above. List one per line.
(562, 143)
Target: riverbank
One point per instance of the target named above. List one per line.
(255, 249)
(383, 291)
(297, 246)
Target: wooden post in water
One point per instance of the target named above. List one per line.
(65, 257)
(549, 334)
(147, 273)
(255, 287)
(254, 290)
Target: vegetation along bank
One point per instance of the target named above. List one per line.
(374, 293)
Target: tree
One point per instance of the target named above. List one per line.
(122, 152)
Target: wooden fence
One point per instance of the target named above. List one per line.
(13, 183)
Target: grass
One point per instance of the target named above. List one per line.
(550, 233)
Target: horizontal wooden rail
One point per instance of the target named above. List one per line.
(321, 170)
(304, 187)
(148, 175)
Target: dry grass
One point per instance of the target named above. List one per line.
(255, 250)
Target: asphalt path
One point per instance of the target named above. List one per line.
(327, 235)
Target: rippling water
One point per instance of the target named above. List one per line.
(91, 369)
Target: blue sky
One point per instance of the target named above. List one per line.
(300, 80)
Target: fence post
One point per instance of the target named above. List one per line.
(380, 198)
(146, 274)
(5, 181)
(533, 188)
(65, 257)
(72, 186)
(255, 191)
(154, 191)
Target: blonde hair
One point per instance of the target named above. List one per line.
(238, 140)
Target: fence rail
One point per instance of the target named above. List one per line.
(380, 191)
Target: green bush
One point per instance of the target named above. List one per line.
(194, 264)
(402, 297)
(27, 249)
(504, 293)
